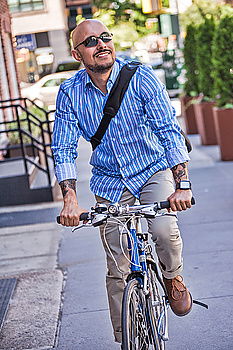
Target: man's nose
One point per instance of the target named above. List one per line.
(101, 43)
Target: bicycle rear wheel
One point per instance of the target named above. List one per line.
(157, 309)
(135, 333)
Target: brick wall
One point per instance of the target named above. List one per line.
(8, 55)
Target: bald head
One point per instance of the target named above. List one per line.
(87, 28)
(98, 52)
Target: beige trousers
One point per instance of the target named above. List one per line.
(165, 234)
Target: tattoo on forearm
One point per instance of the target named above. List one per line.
(66, 184)
(180, 172)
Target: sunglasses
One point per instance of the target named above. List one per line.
(92, 41)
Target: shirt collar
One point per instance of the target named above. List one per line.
(114, 73)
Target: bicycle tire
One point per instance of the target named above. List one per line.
(156, 308)
(135, 335)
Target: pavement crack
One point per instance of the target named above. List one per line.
(27, 257)
(198, 223)
(209, 252)
(215, 297)
(85, 312)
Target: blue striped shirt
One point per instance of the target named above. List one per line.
(143, 138)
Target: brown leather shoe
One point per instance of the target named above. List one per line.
(179, 297)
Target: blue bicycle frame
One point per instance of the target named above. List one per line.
(135, 246)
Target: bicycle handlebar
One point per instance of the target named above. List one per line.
(160, 205)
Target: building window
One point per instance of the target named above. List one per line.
(25, 5)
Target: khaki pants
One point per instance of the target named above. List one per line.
(165, 234)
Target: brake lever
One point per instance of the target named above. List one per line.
(81, 226)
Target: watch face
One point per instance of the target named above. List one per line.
(185, 185)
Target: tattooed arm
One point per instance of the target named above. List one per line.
(180, 172)
(71, 211)
(180, 199)
(66, 185)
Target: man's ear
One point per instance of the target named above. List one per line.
(76, 55)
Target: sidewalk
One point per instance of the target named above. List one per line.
(60, 298)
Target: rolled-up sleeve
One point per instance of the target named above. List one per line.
(66, 133)
(162, 118)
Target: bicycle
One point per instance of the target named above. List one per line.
(145, 302)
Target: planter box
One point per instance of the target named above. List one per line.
(224, 128)
(205, 122)
(187, 111)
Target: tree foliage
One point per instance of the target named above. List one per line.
(222, 59)
(125, 20)
(191, 84)
(204, 38)
(199, 10)
(125, 11)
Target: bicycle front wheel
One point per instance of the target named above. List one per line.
(135, 335)
(157, 309)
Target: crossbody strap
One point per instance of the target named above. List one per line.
(114, 100)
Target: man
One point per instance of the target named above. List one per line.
(142, 156)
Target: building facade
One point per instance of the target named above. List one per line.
(9, 87)
(41, 36)
(84, 8)
(9, 83)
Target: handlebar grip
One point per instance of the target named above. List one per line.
(83, 216)
(166, 204)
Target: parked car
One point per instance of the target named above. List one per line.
(45, 90)
(67, 65)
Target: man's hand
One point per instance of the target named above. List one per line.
(71, 211)
(180, 200)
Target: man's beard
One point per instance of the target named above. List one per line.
(99, 68)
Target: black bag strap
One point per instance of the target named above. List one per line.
(114, 100)
(187, 142)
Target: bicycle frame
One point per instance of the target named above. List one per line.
(136, 247)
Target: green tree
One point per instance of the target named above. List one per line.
(126, 11)
(191, 84)
(204, 38)
(222, 59)
(125, 33)
(197, 12)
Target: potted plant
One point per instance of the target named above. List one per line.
(204, 106)
(191, 84)
(223, 84)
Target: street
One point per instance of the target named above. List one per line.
(83, 319)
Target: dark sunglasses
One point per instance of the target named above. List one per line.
(92, 41)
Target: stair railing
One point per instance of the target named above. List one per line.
(22, 116)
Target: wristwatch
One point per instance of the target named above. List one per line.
(184, 185)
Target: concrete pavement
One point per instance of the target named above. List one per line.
(60, 299)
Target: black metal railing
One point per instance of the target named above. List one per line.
(27, 125)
